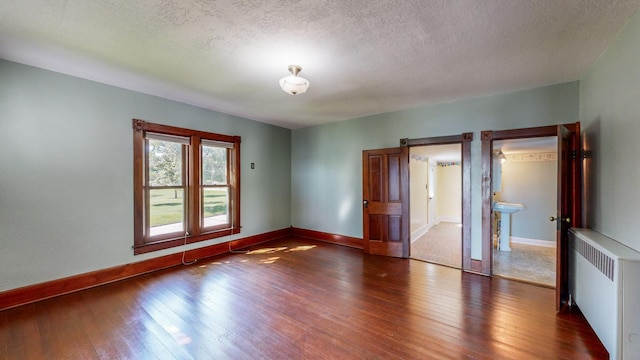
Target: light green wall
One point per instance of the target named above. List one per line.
(326, 165)
(610, 114)
(532, 183)
(66, 172)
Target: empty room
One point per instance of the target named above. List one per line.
(319, 180)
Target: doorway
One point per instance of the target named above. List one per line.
(568, 209)
(435, 173)
(385, 198)
(524, 240)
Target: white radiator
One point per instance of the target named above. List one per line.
(604, 282)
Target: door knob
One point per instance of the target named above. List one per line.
(567, 220)
(365, 203)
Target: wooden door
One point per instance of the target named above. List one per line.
(566, 216)
(569, 190)
(385, 201)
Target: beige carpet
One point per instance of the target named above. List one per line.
(442, 244)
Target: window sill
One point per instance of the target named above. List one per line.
(179, 241)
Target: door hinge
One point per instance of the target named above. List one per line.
(574, 155)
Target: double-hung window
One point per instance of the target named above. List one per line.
(186, 186)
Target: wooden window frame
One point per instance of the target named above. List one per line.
(194, 230)
(228, 186)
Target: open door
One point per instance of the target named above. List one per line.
(385, 201)
(569, 206)
(565, 217)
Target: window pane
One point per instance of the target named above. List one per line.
(214, 165)
(166, 213)
(165, 163)
(215, 207)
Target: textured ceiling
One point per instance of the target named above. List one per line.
(362, 57)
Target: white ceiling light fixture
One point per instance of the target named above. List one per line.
(294, 84)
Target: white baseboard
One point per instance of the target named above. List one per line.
(451, 219)
(534, 242)
(420, 231)
(424, 228)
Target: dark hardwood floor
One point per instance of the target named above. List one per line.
(300, 299)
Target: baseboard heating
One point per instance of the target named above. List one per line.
(604, 282)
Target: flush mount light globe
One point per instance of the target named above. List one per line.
(294, 84)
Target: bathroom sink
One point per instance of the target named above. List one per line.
(507, 207)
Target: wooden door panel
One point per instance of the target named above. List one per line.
(376, 226)
(385, 228)
(385, 201)
(384, 208)
(385, 248)
(394, 178)
(375, 178)
(395, 228)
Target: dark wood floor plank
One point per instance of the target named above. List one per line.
(166, 310)
(300, 299)
(98, 308)
(4, 335)
(222, 338)
(62, 337)
(254, 315)
(151, 329)
(132, 316)
(29, 330)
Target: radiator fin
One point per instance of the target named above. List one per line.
(597, 258)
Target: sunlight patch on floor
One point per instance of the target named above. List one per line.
(270, 260)
(303, 248)
(267, 251)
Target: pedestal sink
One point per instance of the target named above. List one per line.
(505, 209)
